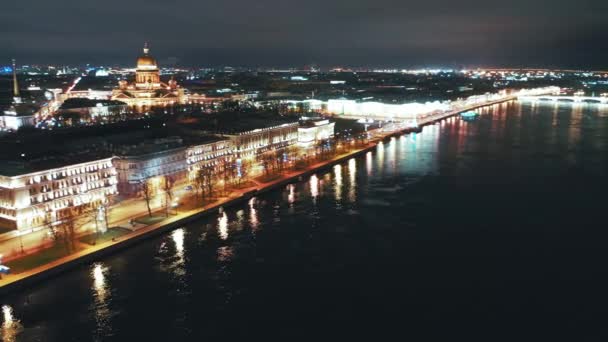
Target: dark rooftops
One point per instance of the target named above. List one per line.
(85, 103)
(238, 122)
(26, 153)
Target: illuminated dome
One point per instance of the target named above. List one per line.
(146, 61)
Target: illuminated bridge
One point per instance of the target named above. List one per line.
(574, 99)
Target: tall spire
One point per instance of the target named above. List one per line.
(16, 95)
(146, 48)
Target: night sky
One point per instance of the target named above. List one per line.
(398, 33)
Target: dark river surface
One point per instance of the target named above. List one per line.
(490, 229)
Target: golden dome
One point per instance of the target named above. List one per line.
(146, 61)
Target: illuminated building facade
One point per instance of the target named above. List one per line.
(90, 109)
(19, 114)
(208, 155)
(152, 161)
(313, 131)
(249, 144)
(148, 90)
(28, 199)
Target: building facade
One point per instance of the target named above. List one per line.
(250, 144)
(212, 154)
(19, 114)
(150, 162)
(30, 199)
(313, 131)
(148, 90)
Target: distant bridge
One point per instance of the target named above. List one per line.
(574, 99)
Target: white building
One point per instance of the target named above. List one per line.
(19, 114)
(210, 154)
(17, 117)
(250, 144)
(407, 111)
(28, 198)
(168, 157)
(150, 161)
(312, 131)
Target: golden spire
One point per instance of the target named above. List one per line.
(16, 96)
(146, 48)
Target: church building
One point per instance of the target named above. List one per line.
(148, 90)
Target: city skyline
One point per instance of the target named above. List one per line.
(197, 170)
(555, 34)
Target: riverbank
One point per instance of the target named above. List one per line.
(27, 278)
(18, 281)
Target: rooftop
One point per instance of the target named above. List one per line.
(84, 103)
(238, 122)
(38, 151)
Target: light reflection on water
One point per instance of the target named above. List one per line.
(222, 226)
(101, 295)
(291, 198)
(178, 238)
(392, 184)
(368, 163)
(314, 187)
(338, 182)
(380, 157)
(240, 220)
(352, 177)
(253, 215)
(10, 326)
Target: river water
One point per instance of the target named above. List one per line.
(490, 229)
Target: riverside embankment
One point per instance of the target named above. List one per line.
(90, 254)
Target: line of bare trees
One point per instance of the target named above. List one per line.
(148, 191)
(211, 180)
(63, 229)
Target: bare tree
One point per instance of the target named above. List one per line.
(242, 172)
(226, 172)
(203, 180)
(168, 184)
(108, 201)
(67, 226)
(207, 174)
(49, 223)
(266, 164)
(146, 190)
(199, 183)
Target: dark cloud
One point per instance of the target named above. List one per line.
(398, 33)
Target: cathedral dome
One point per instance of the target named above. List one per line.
(146, 61)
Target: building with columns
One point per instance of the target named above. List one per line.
(148, 90)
